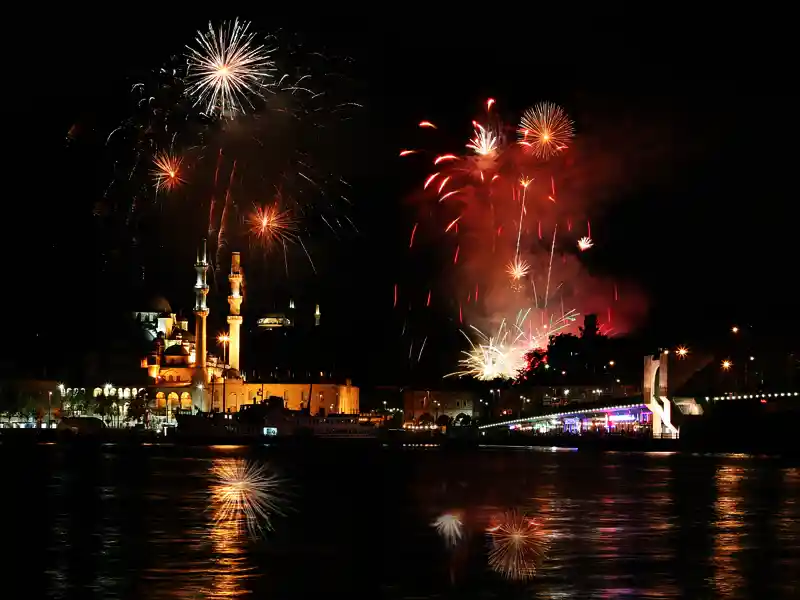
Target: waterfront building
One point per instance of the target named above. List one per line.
(185, 375)
(436, 406)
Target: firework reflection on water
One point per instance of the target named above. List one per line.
(516, 546)
(450, 528)
(245, 492)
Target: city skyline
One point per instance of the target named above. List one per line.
(678, 217)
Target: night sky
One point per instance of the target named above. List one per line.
(691, 149)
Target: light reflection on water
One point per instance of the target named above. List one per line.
(141, 524)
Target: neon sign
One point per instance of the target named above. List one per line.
(622, 418)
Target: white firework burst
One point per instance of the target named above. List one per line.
(227, 68)
(450, 527)
(245, 491)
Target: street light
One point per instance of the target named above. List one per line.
(224, 339)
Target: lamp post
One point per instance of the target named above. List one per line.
(224, 339)
(61, 403)
(49, 407)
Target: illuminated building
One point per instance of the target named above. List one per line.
(430, 406)
(185, 375)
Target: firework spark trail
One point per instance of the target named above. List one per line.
(246, 491)
(214, 197)
(311, 262)
(550, 268)
(524, 183)
(419, 358)
(221, 237)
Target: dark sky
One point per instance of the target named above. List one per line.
(691, 144)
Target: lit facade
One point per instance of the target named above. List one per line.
(431, 404)
(326, 398)
(186, 376)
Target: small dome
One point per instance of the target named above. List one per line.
(159, 304)
(231, 373)
(176, 350)
(181, 334)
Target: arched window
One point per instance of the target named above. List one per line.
(97, 392)
(161, 400)
(172, 401)
(186, 400)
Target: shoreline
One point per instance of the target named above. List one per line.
(113, 438)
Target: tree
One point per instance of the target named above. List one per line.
(104, 406)
(570, 358)
(426, 419)
(138, 407)
(12, 402)
(443, 421)
(80, 402)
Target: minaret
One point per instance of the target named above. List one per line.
(235, 317)
(200, 315)
(317, 315)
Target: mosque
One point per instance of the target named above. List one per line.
(185, 376)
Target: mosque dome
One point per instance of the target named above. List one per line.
(159, 304)
(181, 334)
(176, 350)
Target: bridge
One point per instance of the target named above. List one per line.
(653, 410)
(573, 420)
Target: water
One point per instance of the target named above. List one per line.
(139, 523)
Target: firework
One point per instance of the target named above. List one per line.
(246, 492)
(545, 130)
(585, 243)
(227, 68)
(518, 268)
(516, 547)
(482, 192)
(167, 171)
(272, 225)
(502, 355)
(181, 120)
(450, 527)
(484, 143)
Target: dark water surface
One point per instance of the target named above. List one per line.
(109, 522)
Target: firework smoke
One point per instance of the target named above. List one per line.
(501, 215)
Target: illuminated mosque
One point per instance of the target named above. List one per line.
(185, 376)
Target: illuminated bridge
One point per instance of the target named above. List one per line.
(624, 415)
(608, 416)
